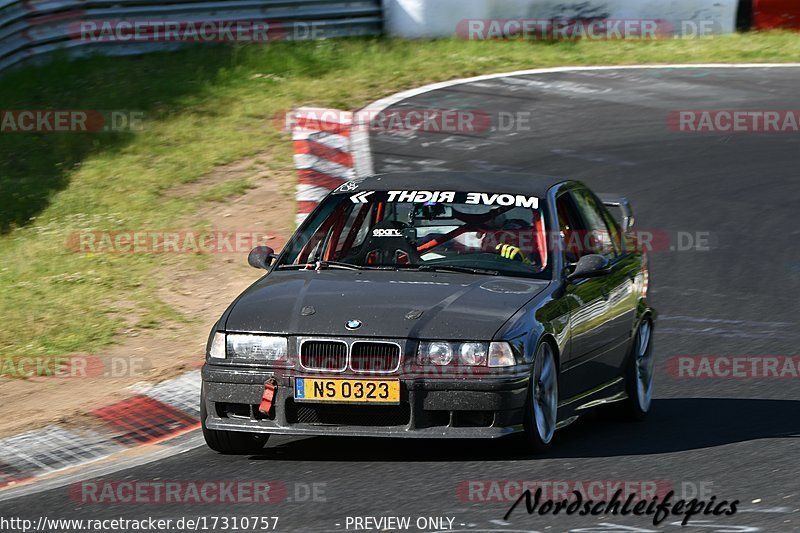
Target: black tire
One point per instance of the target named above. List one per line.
(635, 407)
(540, 415)
(230, 442)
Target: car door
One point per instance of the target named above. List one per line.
(588, 303)
(611, 333)
(621, 282)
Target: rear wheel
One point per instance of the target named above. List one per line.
(230, 442)
(542, 404)
(640, 368)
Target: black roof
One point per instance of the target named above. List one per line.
(498, 182)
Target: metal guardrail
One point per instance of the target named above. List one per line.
(33, 29)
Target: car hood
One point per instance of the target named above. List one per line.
(392, 304)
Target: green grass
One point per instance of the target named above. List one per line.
(205, 107)
(226, 189)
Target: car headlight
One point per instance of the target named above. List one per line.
(258, 347)
(472, 353)
(441, 353)
(500, 354)
(435, 353)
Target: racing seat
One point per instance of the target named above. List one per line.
(387, 245)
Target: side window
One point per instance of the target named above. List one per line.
(598, 237)
(571, 228)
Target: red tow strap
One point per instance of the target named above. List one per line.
(266, 398)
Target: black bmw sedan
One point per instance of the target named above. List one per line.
(437, 306)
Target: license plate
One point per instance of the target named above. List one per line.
(346, 390)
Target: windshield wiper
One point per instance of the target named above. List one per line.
(452, 268)
(318, 265)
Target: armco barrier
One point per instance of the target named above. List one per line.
(31, 29)
(771, 14)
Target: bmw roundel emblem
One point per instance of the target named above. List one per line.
(353, 324)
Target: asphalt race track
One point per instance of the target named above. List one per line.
(735, 438)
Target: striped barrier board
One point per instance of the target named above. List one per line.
(322, 154)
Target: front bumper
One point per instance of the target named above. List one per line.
(451, 407)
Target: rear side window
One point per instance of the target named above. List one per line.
(614, 229)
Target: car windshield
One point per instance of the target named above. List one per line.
(472, 232)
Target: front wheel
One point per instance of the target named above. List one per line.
(541, 409)
(639, 371)
(230, 442)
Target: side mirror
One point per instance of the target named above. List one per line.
(589, 266)
(261, 257)
(622, 203)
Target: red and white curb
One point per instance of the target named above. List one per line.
(156, 413)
